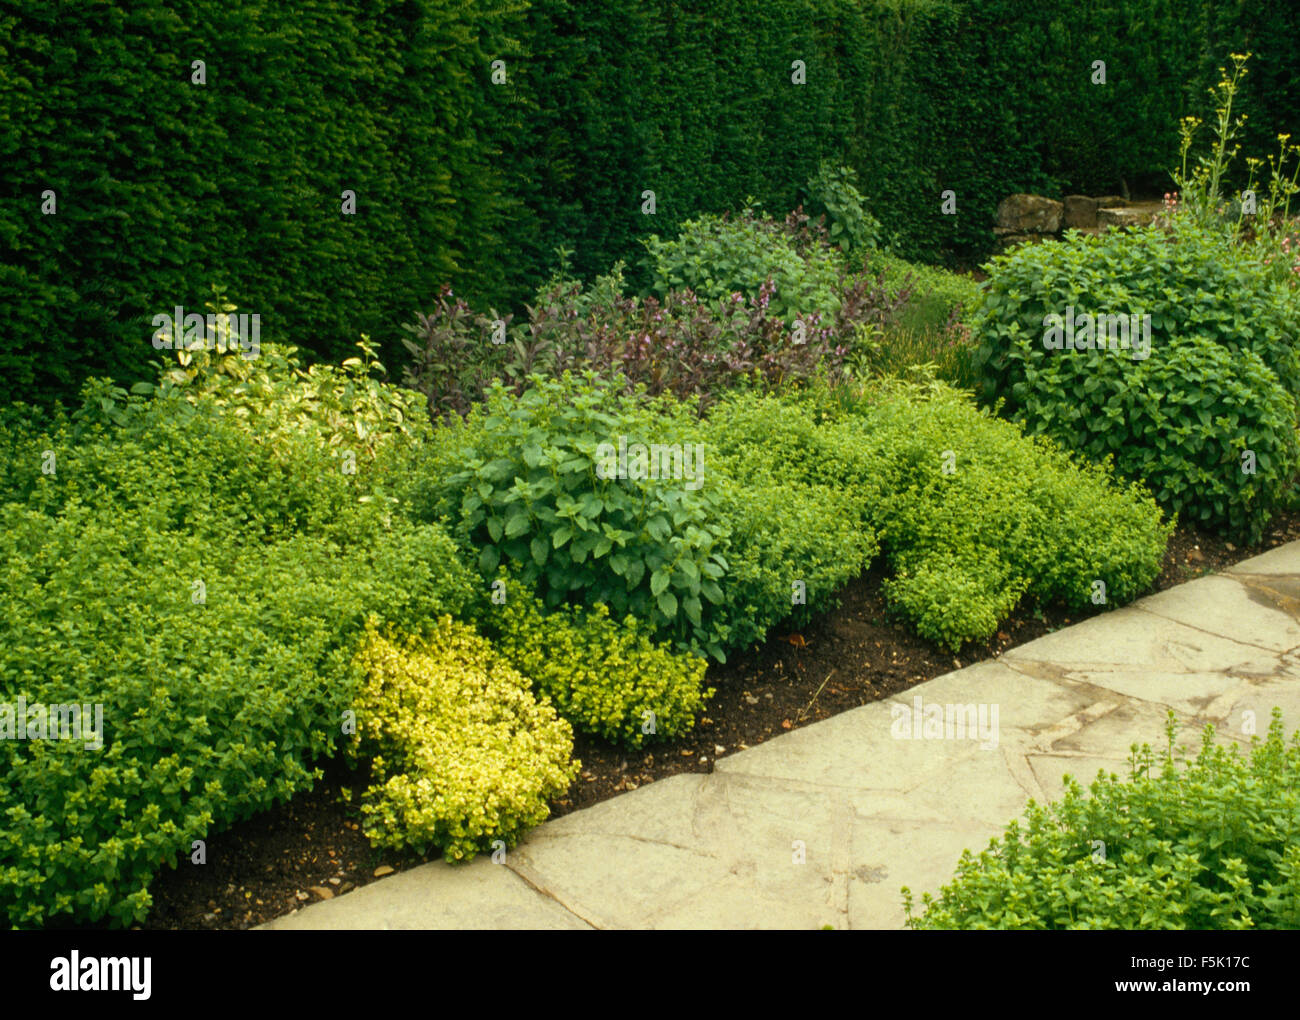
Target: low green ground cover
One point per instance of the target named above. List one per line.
(1210, 845)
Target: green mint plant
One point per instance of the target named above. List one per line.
(532, 493)
(832, 194)
(716, 256)
(1208, 417)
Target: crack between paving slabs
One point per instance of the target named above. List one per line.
(1248, 577)
(807, 786)
(953, 823)
(803, 785)
(1246, 678)
(972, 751)
(1053, 673)
(535, 882)
(1213, 711)
(1210, 633)
(842, 852)
(639, 839)
(842, 815)
(1105, 702)
(1017, 764)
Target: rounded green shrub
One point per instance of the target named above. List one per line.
(968, 511)
(786, 439)
(952, 598)
(795, 498)
(1211, 432)
(1214, 845)
(766, 531)
(792, 548)
(964, 485)
(462, 754)
(550, 484)
(1220, 375)
(607, 677)
(716, 257)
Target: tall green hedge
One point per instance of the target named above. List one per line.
(984, 97)
(165, 187)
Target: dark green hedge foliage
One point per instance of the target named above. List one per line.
(985, 97)
(165, 187)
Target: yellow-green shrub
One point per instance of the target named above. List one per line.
(606, 677)
(463, 753)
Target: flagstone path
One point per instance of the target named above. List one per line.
(821, 826)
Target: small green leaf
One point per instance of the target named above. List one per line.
(659, 581)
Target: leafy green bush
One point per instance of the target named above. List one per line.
(206, 590)
(969, 512)
(346, 406)
(1215, 845)
(1199, 410)
(605, 676)
(1181, 417)
(716, 257)
(792, 547)
(690, 346)
(952, 597)
(1016, 511)
(794, 498)
(788, 439)
(833, 194)
(536, 485)
(462, 753)
(710, 563)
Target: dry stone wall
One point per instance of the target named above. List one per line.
(1026, 219)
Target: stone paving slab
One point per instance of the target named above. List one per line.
(823, 825)
(475, 895)
(1249, 611)
(1281, 560)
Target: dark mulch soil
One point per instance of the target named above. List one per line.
(312, 847)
